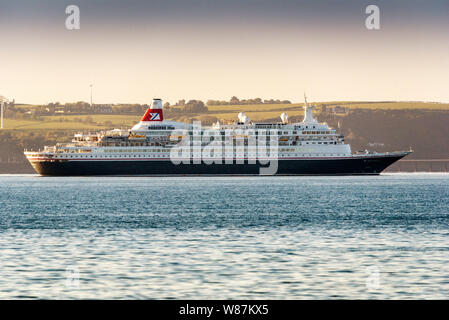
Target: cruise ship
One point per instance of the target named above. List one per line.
(159, 147)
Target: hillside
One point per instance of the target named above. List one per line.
(384, 126)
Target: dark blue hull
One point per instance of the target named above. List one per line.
(362, 165)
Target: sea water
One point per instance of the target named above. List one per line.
(376, 237)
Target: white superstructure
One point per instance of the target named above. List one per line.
(153, 137)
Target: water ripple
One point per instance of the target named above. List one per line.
(226, 237)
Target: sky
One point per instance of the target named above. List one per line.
(133, 51)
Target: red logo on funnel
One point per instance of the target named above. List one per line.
(153, 115)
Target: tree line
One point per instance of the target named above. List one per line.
(236, 101)
(82, 107)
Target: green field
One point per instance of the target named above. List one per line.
(392, 105)
(225, 112)
(78, 122)
(38, 124)
(348, 104)
(271, 111)
(115, 119)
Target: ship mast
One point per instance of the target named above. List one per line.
(308, 116)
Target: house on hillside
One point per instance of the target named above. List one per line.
(337, 110)
(103, 109)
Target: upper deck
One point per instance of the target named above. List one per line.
(152, 132)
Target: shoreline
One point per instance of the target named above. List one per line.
(399, 167)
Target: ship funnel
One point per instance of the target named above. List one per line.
(284, 118)
(155, 112)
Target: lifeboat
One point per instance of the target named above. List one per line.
(136, 136)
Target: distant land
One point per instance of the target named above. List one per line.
(380, 126)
